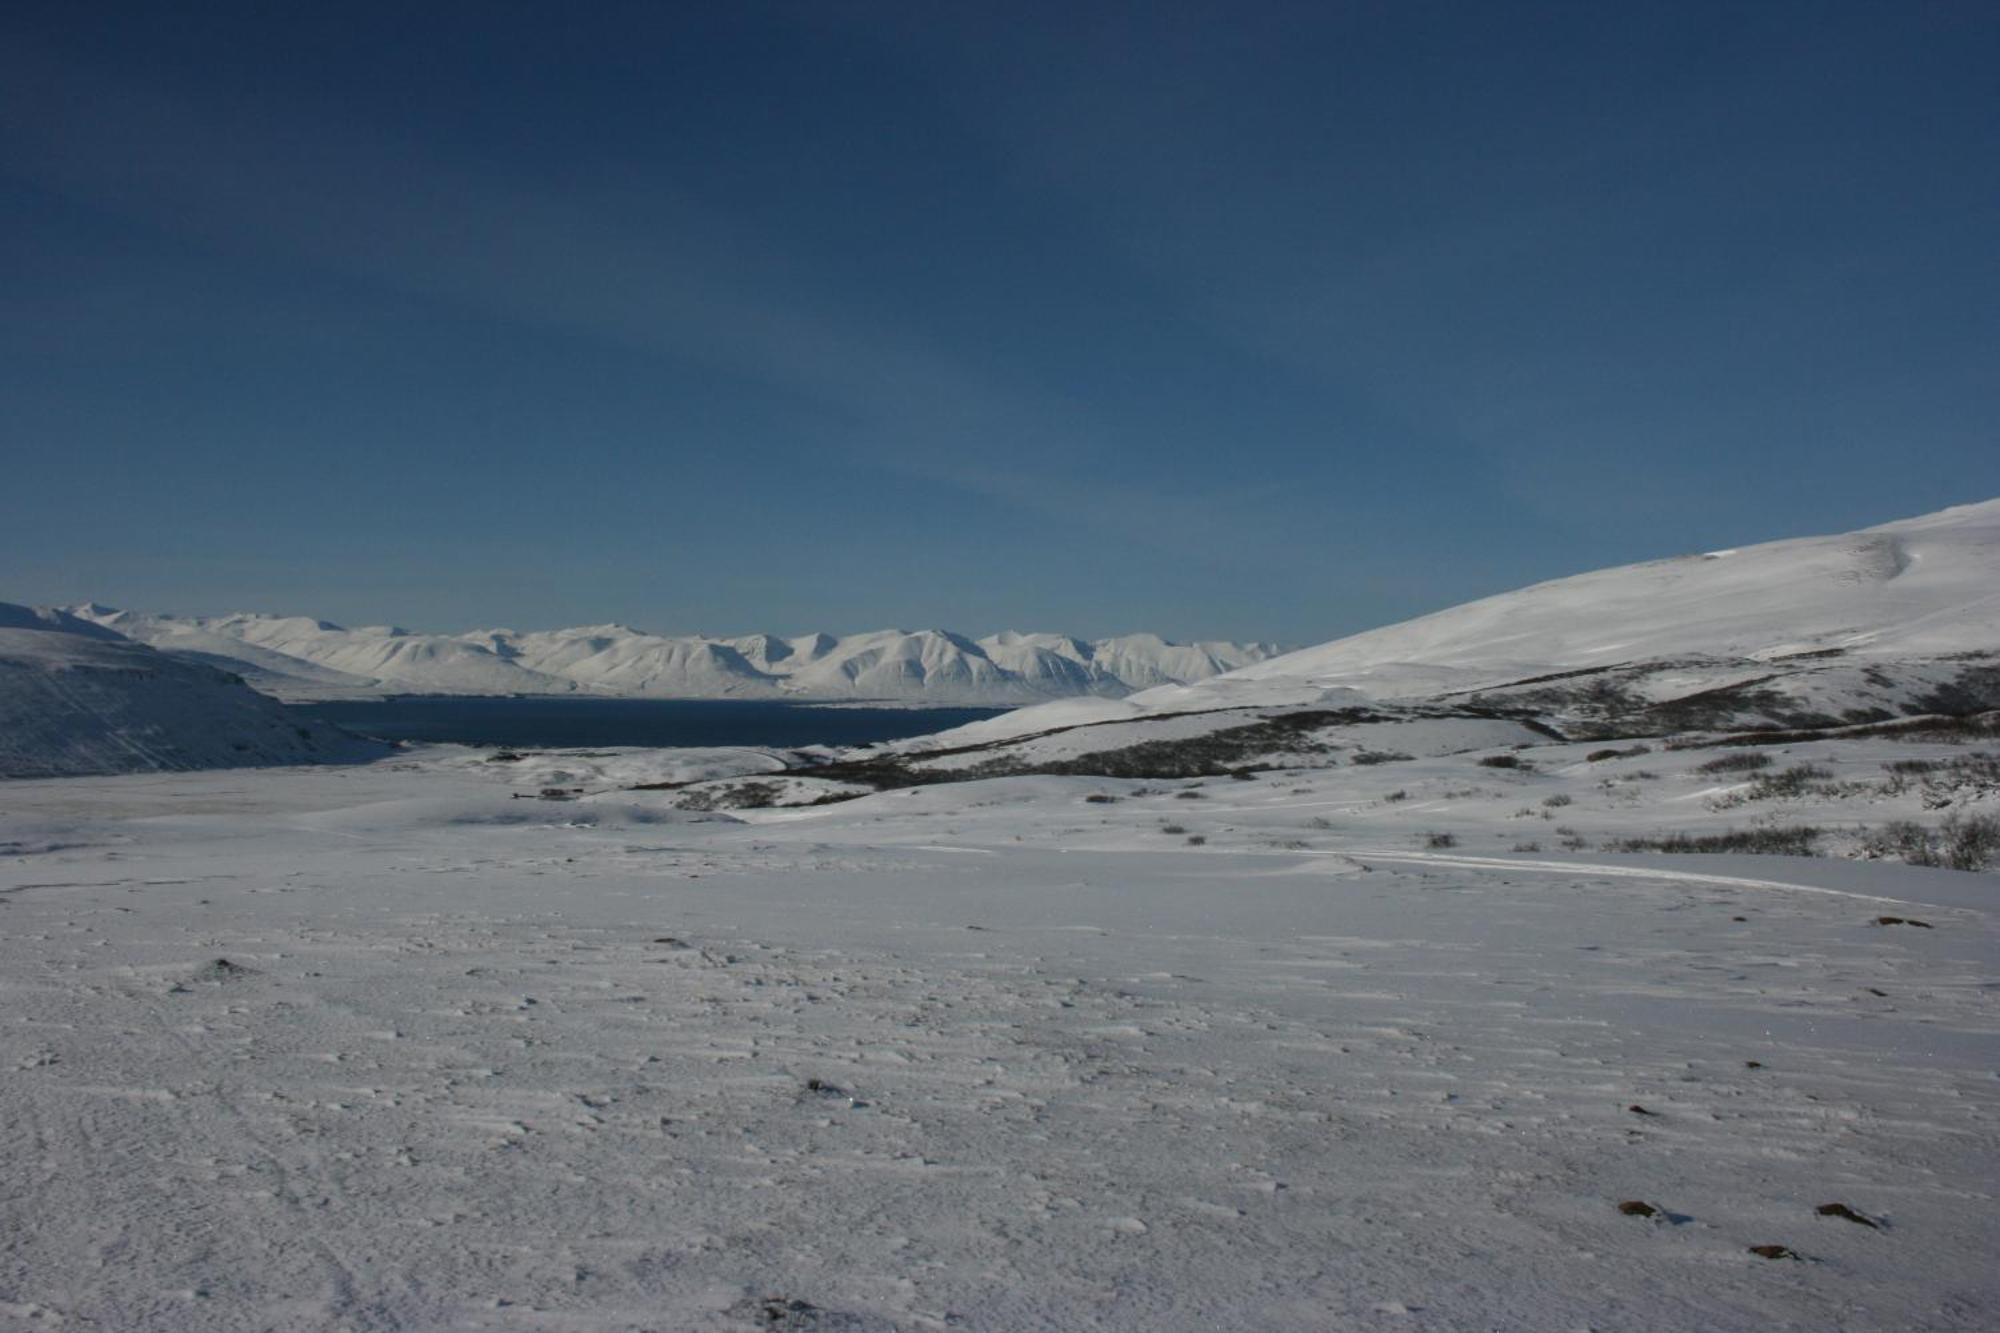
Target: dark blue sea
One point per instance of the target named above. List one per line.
(566, 723)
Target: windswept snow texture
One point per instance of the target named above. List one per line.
(388, 1047)
(295, 657)
(76, 698)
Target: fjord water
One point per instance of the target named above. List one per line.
(564, 723)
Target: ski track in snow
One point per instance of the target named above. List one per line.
(1601, 870)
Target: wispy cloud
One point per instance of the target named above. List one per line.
(639, 264)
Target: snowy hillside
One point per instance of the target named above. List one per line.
(76, 698)
(1890, 621)
(297, 657)
(1921, 587)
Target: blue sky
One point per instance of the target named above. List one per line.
(1257, 321)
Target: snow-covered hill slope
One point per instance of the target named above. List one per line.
(1893, 620)
(76, 698)
(1921, 587)
(297, 657)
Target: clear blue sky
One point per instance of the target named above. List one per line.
(1245, 320)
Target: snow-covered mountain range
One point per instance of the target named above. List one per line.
(297, 658)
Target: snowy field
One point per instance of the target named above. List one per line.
(385, 1047)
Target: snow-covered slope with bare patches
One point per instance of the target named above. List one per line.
(1897, 619)
(76, 698)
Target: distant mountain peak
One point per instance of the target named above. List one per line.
(298, 657)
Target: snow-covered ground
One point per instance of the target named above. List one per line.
(395, 1046)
